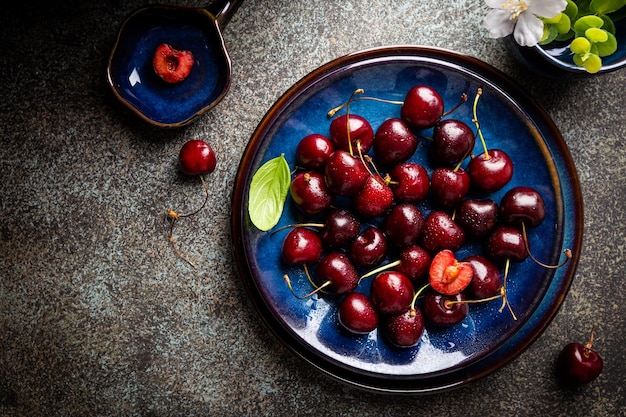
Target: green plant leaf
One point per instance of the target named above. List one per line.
(580, 46)
(571, 10)
(609, 47)
(268, 192)
(609, 26)
(587, 22)
(596, 35)
(602, 7)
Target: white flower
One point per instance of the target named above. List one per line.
(520, 17)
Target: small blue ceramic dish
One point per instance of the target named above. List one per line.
(131, 75)
(555, 60)
(486, 339)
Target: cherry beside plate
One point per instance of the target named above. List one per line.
(486, 339)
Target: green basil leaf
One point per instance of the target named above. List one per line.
(268, 192)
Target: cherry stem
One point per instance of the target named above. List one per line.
(462, 100)
(415, 297)
(289, 226)
(303, 297)
(505, 300)
(332, 112)
(381, 269)
(475, 120)
(567, 252)
(590, 342)
(449, 303)
(175, 216)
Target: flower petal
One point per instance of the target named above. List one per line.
(546, 8)
(498, 23)
(495, 4)
(528, 30)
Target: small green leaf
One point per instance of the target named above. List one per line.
(580, 46)
(587, 22)
(564, 24)
(596, 35)
(268, 192)
(609, 47)
(606, 6)
(593, 64)
(609, 26)
(571, 10)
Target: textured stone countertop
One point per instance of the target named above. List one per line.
(98, 317)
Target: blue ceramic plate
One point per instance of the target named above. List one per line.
(132, 77)
(486, 339)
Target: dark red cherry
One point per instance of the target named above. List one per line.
(403, 330)
(301, 246)
(410, 182)
(309, 192)
(340, 228)
(196, 157)
(313, 150)
(414, 262)
(486, 281)
(449, 186)
(357, 313)
(345, 174)
(477, 217)
(369, 248)
(374, 198)
(522, 205)
(423, 107)
(578, 364)
(490, 173)
(440, 309)
(506, 242)
(391, 292)
(403, 225)
(359, 129)
(394, 142)
(336, 269)
(441, 232)
(453, 141)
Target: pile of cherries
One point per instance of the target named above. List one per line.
(361, 195)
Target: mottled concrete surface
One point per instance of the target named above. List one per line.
(99, 318)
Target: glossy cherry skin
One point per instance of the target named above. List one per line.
(449, 186)
(309, 192)
(522, 205)
(374, 199)
(486, 281)
(394, 142)
(411, 182)
(403, 225)
(441, 232)
(414, 262)
(477, 217)
(452, 141)
(196, 157)
(357, 313)
(489, 174)
(345, 174)
(313, 150)
(438, 310)
(340, 229)
(302, 246)
(578, 364)
(506, 242)
(391, 292)
(361, 133)
(369, 248)
(423, 107)
(403, 330)
(336, 268)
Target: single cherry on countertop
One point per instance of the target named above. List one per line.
(578, 364)
(196, 157)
